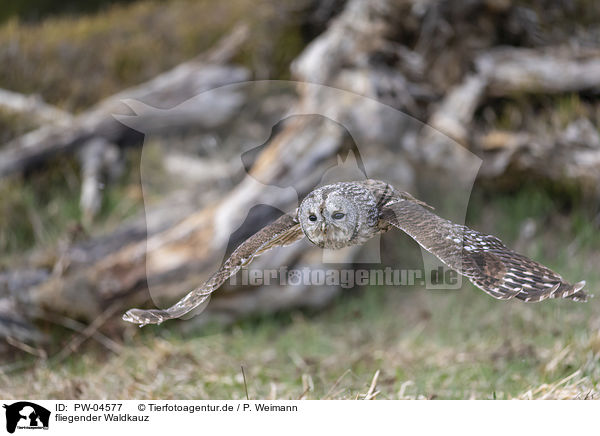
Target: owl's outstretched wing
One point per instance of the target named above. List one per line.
(280, 233)
(483, 259)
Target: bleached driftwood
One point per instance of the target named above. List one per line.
(97, 157)
(573, 153)
(455, 114)
(33, 107)
(511, 70)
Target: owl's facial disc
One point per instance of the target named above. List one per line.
(329, 220)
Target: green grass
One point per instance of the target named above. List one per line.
(42, 211)
(36, 213)
(13, 125)
(425, 344)
(541, 113)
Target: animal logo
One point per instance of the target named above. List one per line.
(26, 415)
(272, 180)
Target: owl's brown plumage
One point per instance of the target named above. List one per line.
(483, 259)
(350, 213)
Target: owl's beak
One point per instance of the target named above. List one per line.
(324, 228)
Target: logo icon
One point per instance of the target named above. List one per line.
(26, 415)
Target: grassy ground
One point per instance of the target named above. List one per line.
(421, 344)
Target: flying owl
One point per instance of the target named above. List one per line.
(349, 213)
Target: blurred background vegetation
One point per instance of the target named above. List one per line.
(75, 54)
(408, 343)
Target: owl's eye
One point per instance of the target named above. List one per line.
(312, 217)
(338, 215)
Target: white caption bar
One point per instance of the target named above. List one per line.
(24, 417)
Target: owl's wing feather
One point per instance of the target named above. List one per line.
(280, 233)
(483, 259)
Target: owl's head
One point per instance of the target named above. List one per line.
(330, 217)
